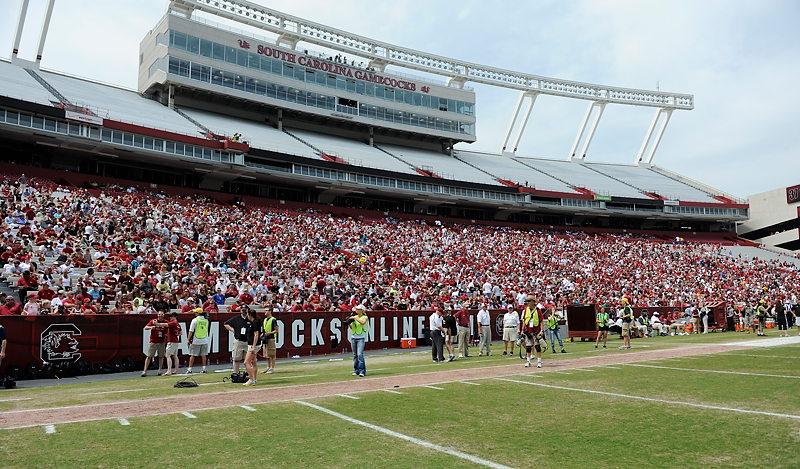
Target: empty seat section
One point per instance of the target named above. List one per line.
(352, 151)
(444, 166)
(257, 135)
(121, 105)
(651, 181)
(577, 175)
(16, 83)
(510, 170)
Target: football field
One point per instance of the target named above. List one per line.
(722, 400)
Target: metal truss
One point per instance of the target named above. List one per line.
(291, 30)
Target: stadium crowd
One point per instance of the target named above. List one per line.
(126, 250)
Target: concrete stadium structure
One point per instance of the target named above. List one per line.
(222, 109)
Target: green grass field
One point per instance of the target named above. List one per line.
(731, 409)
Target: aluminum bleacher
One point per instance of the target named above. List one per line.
(441, 164)
(16, 83)
(651, 181)
(508, 169)
(575, 174)
(256, 134)
(353, 152)
(120, 105)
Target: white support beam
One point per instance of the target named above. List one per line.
(648, 136)
(45, 27)
(513, 121)
(667, 114)
(580, 131)
(23, 12)
(525, 121)
(600, 107)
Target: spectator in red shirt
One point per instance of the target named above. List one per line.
(246, 298)
(46, 293)
(11, 308)
(25, 283)
(173, 339)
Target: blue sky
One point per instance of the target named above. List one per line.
(741, 61)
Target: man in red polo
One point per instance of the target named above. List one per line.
(462, 319)
(158, 328)
(11, 307)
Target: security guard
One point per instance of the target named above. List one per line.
(762, 317)
(627, 320)
(602, 326)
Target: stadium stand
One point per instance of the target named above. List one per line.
(442, 165)
(16, 83)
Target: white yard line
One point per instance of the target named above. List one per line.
(17, 399)
(349, 397)
(247, 407)
(584, 369)
(712, 371)
(391, 391)
(472, 384)
(651, 399)
(113, 392)
(434, 387)
(609, 367)
(49, 429)
(123, 421)
(189, 415)
(411, 439)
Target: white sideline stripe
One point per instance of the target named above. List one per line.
(49, 429)
(349, 397)
(651, 399)
(17, 399)
(290, 377)
(111, 392)
(378, 369)
(123, 421)
(688, 358)
(428, 364)
(561, 372)
(391, 391)
(208, 384)
(752, 355)
(434, 387)
(713, 371)
(584, 369)
(609, 367)
(189, 415)
(416, 441)
(247, 407)
(471, 384)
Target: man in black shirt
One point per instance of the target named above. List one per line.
(239, 325)
(451, 330)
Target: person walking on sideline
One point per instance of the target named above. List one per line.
(270, 332)
(531, 328)
(198, 340)
(602, 326)
(253, 339)
(358, 339)
(173, 339)
(437, 335)
(462, 318)
(510, 325)
(158, 342)
(450, 330)
(555, 332)
(485, 331)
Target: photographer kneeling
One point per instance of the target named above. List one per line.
(358, 338)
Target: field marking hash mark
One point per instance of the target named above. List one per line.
(411, 439)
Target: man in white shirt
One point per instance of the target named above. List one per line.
(484, 330)
(510, 323)
(437, 336)
(655, 321)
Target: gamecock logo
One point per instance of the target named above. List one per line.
(59, 343)
(244, 44)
